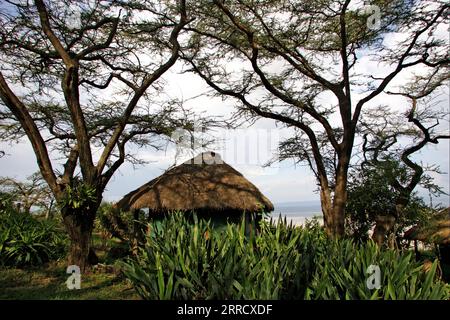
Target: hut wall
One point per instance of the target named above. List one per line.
(219, 218)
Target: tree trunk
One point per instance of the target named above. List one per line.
(79, 226)
(334, 210)
(135, 236)
(386, 224)
(383, 226)
(327, 210)
(27, 208)
(340, 200)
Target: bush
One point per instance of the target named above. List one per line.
(345, 275)
(114, 222)
(371, 193)
(25, 241)
(181, 260)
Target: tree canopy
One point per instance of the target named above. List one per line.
(312, 66)
(83, 79)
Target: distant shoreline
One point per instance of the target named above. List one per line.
(297, 212)
(296, 220)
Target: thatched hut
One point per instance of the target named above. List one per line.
(205, 185)
(435, 231)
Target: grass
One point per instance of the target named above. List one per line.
(49, 283)
(108, 250)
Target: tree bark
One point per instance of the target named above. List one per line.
(384, 226)
(339, 202)
(49, 213)
(136, 232)
(334, 209)
(327, 210)
(79, 226)
(335, 223)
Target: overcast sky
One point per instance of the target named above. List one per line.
(282, 182)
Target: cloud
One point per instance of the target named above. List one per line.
(282, 183)
(19, 161)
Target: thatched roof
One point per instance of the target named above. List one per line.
(202, 183)
(437, 230)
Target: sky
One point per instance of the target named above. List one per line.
(281, 182)
(247, 149)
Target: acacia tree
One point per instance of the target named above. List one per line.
(389, 143)
(301, 63)
(84, 91)
(32, 193)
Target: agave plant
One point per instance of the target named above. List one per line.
(345, 275)
(190, 260)
(27, 241)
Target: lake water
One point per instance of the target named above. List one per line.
(297, 212)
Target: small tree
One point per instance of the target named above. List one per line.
(32, 193)
(372, 200)
(389, 144)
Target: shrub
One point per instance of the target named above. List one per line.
(184, 260)
(114, 222)
(371, 193)
(26, 241)
(345, 275)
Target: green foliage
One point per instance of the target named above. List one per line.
(114, 222)
(345, 275)
(49, 283)
(371, 193)
(6, 200)
(181, 260)
(26, 241)
(79, 196)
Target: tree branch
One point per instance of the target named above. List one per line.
(400, 66)
(23, 116)
(144, 86)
